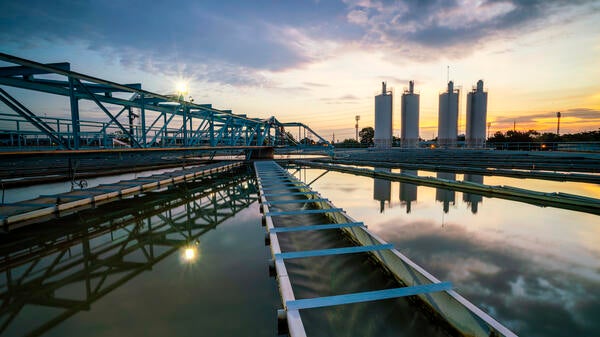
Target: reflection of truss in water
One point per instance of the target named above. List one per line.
(100, 250)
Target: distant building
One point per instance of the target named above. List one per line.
(448, 117)
(409, 117)
(383, 119)
(476, 117)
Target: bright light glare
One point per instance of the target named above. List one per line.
(189, 254)
(181, 87)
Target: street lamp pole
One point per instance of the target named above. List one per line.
(357, 117)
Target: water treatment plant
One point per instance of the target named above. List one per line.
(200, 221)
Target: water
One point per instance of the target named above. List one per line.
(186, 262)
(536, 270)
(191, 261)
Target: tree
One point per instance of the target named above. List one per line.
(307, 141)
(366, 135)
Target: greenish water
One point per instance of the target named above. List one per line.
(187, 262)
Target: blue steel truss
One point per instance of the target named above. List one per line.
(163, 120)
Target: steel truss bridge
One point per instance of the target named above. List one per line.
(132, 117)
(98, 251)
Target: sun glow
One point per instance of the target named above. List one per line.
(190, 253)
(181, 87)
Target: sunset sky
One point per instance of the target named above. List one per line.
(321, 62)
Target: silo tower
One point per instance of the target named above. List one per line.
(476, 116)
(409, 117)
(383, 118)
(448, 117)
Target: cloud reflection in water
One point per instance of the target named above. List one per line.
(544, 297)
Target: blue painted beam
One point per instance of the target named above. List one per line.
(305, 211)
(289, 194)
(367, 296)
(315, 227)
(331, 251)
(28, 71)
(301, 201)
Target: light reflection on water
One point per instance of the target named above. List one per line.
(190, 261)
(537, 270)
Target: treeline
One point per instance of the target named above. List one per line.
(512, 136)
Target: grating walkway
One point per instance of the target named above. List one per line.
(15, 215)
(302, 225)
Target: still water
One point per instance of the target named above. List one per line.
(186, 262)
(536, 270)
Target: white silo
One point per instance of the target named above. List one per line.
(476, 116)
(383, 118)
(448, 117)
(409, 117)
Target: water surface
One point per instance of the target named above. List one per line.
(536, 270)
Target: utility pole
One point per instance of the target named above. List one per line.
(558, 124)
(357, 117)
(489, 126)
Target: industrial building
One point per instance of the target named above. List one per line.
(448, 117)
(476, 117)
(409, 117)
(383, 118)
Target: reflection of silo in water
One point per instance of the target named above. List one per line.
(408, 192)
(382, 189)
(473, 199)
(443, 195)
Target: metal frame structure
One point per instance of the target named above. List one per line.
(164, 120)
(97, 251)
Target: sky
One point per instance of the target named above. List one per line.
(322, 62)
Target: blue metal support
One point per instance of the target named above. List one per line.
(296, 201)
(93, 97)
(315, 227)
(270, 195)
(143, 120)
(306, 211)
(213, 127)
(74, 113)
(19, 108)
(331, 251)
(367, 296)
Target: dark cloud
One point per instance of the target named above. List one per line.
(231, 42)
(426, 29)
(528, 295)
(234, 41)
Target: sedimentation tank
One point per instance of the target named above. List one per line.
(409, 117)
(383, 118)
(476, 116)
(448, 117)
